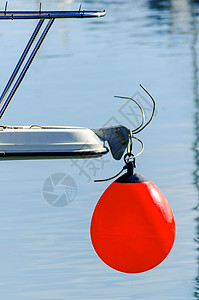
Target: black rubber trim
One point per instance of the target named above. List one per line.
(51, 154)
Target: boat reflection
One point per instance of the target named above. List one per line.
(196, 130)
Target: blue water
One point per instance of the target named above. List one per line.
(46, 252)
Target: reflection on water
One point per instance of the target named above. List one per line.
(46, 252)
(196, 129)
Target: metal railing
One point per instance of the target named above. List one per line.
(41, 15)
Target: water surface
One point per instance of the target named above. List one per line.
(46, 251)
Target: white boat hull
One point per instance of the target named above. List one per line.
(24, 142)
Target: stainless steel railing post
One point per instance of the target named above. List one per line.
(21, 60)
(27, 65)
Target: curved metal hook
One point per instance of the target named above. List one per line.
(142, 144)
(153, 110)
(142, 125)
(129, 153)
(142, 111)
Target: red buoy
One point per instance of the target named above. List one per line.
(132, 227)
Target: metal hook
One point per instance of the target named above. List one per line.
(153, 110)
(129, 157)
(142, 125)
(142, 111)
(130, 154)
(142, 144)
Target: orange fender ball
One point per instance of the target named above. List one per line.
(132, 227)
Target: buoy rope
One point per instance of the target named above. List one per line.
(110, 178)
